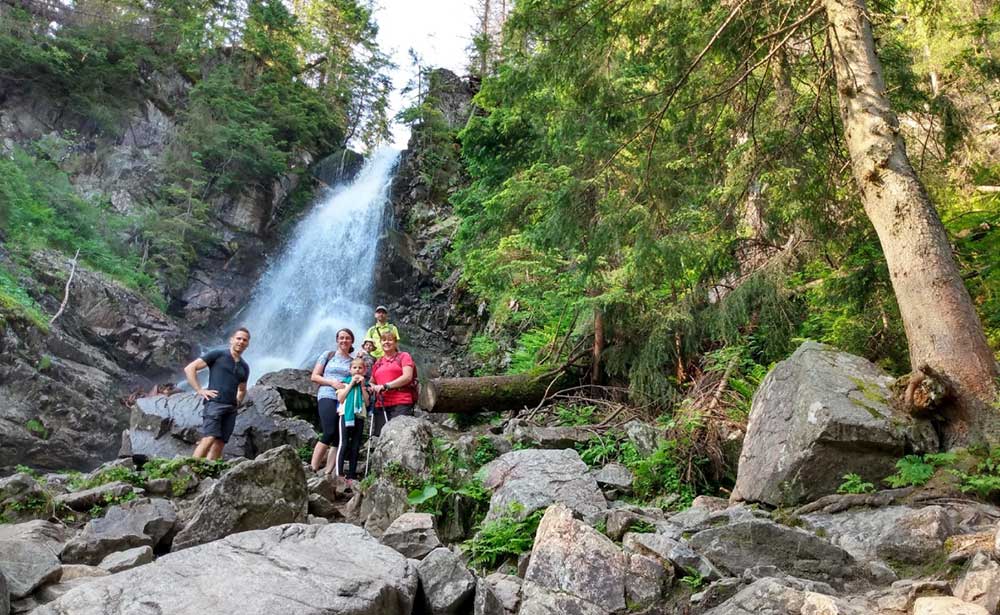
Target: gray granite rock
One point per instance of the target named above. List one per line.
(289, 568)
(782, 596)
(570, 557)
(522, 432)
(26, 565)
(615, 476)
(382, 504)
(86, 499)
(497, 594)
(818, 415)
(135, 524)
(535, 479)
(900, 533)
(670, 553)
(412, 534)
(269, 490)
(793, 551)
(5, 596)
(448, 587)
(405, 441)
(123, 560)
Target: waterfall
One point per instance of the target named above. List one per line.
(322, 281)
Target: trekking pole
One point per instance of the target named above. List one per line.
(371, 432)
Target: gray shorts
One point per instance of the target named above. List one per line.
(218, 420)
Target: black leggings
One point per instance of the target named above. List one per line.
(350, 444)
(330, 422)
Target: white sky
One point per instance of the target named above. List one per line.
(439, 31)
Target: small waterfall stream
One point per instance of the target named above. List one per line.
(323, 279)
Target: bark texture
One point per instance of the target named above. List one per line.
(482, 394)
(942, 327)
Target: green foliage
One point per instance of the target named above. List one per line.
(451, 485)
(693, 580)
(574, 415)
(660, 473)
(853, 483)
(484, 452)
(37, 429)
(482, 347)
(984, 479)
(304, 453)
(642, 527)
(917, 470)
(701, 204)
(178, 470)
(268, 84)
(15, 303)
(44, 211)
(606, 448)
(510, 535)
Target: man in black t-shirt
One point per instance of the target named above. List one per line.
(227, 386)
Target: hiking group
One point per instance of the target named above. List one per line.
(374, 383)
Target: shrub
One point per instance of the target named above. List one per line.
(853, 483)
(502, 538)
(916, 470)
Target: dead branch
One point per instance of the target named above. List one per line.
(69, 281)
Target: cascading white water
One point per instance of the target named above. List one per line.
(322, 282)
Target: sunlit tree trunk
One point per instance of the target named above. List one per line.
(942, 327)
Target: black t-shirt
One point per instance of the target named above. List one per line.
(225, 375)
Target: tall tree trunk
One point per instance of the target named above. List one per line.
(598, 349)
(942, 327)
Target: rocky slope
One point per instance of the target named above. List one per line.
(276, 526)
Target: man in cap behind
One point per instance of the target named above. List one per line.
(382, 325)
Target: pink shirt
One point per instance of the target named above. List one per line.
(387, 370)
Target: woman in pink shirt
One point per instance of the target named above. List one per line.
(392, 374)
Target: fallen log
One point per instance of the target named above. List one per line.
(482, 394)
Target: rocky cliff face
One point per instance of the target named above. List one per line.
(60, 392)
(422, 292)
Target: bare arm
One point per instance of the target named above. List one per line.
(191, 374)
(317, 376)
(342, 393)
(241, 393)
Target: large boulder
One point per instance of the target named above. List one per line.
(898, 533)
(570, 557)
(270, 490)
(534, 479)
(170, 425)
(26, 563)
(497, 594)
(818, 415)
(382, 504)
(447, 585)
(785, 596)
(980, 585)
(747, 544)
(412, 534)
(292, 569)
(297, 391)
(405, 441)
(135, 524)
(29, 557)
